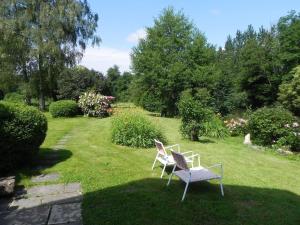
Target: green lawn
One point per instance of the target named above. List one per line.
(120, 187)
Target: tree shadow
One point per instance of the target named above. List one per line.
(206, 141)
(150, 201)
(46, 158)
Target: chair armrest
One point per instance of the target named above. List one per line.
(188, 152)
(171, 146)
(217, 165)
(194, 156)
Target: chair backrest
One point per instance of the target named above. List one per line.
(180, 160)
(160, 147)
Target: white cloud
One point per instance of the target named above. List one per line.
(102, 58)
(215, 12)
(137, 35)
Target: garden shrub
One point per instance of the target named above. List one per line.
(236, 126)
(268, 125)
(22, 130)
(134, 129)
(94, 104)
(216, 128)
(14, 97)
(289, 92)
(64, 108)
(194, 116)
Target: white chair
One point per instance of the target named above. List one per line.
(195, 174)
(167, 159)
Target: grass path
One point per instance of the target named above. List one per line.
(120, 187)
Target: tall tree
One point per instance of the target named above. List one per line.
(165, 61)
(289, 38)
(56, 33)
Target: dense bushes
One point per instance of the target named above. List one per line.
(268, 125)
(199, 120)
(64, 108)
(96, 105)
(134, 129)
(14, 97)
(22, 130)
(289, 94)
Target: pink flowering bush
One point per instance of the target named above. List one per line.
(236, 126)
(95, 105)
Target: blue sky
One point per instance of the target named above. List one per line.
(121, 23)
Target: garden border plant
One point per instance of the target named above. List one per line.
(135, 129)
(64, 108)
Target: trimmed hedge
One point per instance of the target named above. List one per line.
(64, 108)
(134, 129)
(22, 130)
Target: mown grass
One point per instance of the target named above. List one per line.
(120, 187)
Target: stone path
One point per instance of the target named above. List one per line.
(43, 205)
(47, 204)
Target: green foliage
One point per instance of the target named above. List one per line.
(64, 108)
(289, 94)
(95, 105)
(22, 130)
(216, 128)
(288, 37)
(38, 43)
(134, 129)
(267, 125)
(170, 59)
(194, 117)
(14, 97)
(236, 126)
(75, 81)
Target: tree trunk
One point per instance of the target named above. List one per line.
(194, 135)
(42, 104)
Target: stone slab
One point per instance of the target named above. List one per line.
(62, 198)
(46, 190)
(24, 203)
(65, 213)
(4, 204)
(45, 178)
(33, 216)
(73, 187)
(7, 185)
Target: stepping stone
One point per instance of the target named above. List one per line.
(4, 204)
(45, 178)
(46, 190)
(33, 216)
(62, 198)
(25, 203)
(73, 187)
(7, 186)
(65, 214)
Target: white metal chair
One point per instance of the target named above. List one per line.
(195, 174)
(167, 159)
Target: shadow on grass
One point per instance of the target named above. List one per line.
(47, 158)
(206, 141)
(150, 201)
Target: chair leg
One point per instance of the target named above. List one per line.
(162, 173)
(171, 175)
(184, 193)
(221, 186)
(154, 163)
